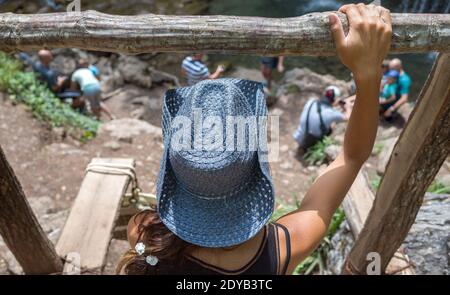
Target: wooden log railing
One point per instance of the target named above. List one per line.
(304, 35)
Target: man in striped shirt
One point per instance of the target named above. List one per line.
(195, 70)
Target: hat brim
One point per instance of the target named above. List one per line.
(216, 222)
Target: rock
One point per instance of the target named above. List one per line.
(332, 151)
(427, 241)
(8, 260)
(41, 205)
(339, 138)
(244, 73)
(284, 100)
(3, 267)
(113, 145)
(125, 129)
(284, 148)
(386, 133)
(114, 81)
(339, 129)
(155, 104)
(445, 180)
(53, 224)
(59, 132)
(405, 110)
(286, 165)
(138, 114)
(162, 77)
(426, 245)
(305, 80)
(135, 71)
(341, 244)
(140, 100)
(385, 154)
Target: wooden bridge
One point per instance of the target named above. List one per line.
(380, 222)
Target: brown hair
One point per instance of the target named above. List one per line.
(160, 242)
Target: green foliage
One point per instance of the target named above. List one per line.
(315, 155)
(375, 183)
(25, 87)
(438, 187)
(377, 148)
(316, 261)
(293, 89)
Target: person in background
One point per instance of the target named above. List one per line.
(57, 83)
(50, 76)
(268, 64)
(384, 70)
(83, 78)
(403, 90)
(388, 95)
(195, 70)
(319, 116)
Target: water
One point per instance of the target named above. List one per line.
(417, 65)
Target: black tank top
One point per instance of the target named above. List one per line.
(265, 262)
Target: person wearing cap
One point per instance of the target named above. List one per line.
(319, 116)
(404, 87)
(388, 96)
(215, 197)
(385, 70)
(195, 70)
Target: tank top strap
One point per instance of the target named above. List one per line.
(287, 247)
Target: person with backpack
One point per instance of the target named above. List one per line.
(319, 116)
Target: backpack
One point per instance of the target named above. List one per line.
(310, 139)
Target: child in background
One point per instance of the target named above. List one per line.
(388, 95)
(384, 70)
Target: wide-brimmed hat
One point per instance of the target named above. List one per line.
(220, 196)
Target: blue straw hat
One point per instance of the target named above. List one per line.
(215, 197)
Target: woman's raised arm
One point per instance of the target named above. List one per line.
(362, 51)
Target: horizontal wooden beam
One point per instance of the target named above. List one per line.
(304, 35)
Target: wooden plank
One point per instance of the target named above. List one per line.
(304, 35)
(357, 205)
(20, 228)
(89, 227)
(417, 156)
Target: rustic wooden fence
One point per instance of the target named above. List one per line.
(419, 153)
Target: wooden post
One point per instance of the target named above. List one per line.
(357, 205)
(304, 35)
(20, 229)
(417, 156)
